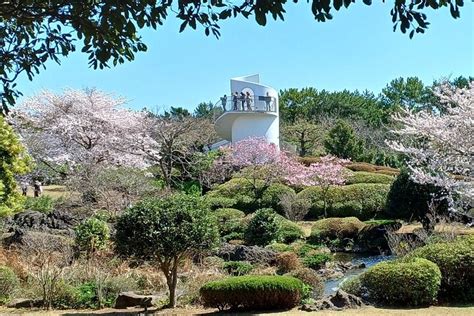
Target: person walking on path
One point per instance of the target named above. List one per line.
(234, 100)
(37, 188)
(248, 100)
(24, 187)
(224, 102)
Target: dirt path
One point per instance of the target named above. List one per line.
(367, 311)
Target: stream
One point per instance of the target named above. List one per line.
(332, 285)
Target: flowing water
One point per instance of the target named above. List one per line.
(331, 286)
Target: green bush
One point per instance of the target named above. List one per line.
(43, 204)
(328, 229)
(353, 286)
(272, 195)
(229, 221)
(316, 261)
(263, 228)
(310, 277)
(369, 177)
(362, 200)
(288, 231)
(8, 283)
(410, 200)
(402, 283)
(92, 235)
(253, 293)
(237, 268)
(279, 247)
(238, 193)
(216, 202)
(455, 259)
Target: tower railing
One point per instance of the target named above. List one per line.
(247, 104)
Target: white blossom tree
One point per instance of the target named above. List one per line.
(440, 146)
(79, 128)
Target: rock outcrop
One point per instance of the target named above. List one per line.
(253, 254)
(339, 301)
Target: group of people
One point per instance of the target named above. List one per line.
(243, 101)
(37, 188)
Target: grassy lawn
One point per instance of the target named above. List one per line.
(54, 191)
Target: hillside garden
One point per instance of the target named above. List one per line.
(369, 202)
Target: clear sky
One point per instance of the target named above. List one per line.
(356, 50)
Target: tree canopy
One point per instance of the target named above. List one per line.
(33, 32)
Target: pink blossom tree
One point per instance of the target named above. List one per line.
(260, 160)
(440, 146)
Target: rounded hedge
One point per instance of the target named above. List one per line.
(237, 268)
(362, 200)
(402, 283)
(253, 293)
(229, 222)
(455, 259)
(369, 177)
(263, 228)
(8, 283)
(288, 231)
(316, 261)
(272, 195)
(329, 229)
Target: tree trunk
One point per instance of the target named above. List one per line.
(172, 280)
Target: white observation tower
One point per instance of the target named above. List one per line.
(250, 110)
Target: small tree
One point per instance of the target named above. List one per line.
(13, 161)
(92, 235)
(166, 230)
(343, 142)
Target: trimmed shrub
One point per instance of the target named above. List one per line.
(229, 221)
(287, 261)
(369, 177)
(316, 261)
(309, 160)
(455, 259)
(361, 166)
(237, 268)
(310, 277)
(239, 191)
(388, 172)
(353, 286)
(402, 283)
(328, 229)
(362, 200)
(8, 283)
(253, 293)
(410, 200)
(263, 228)
(92, 235)
(304, 249)
(272, 195)
(216, 202)
(289, 231)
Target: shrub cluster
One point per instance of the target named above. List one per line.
(237, 268)
(253, 293)
(287, 261)
(272, 195)
(92, 235)
(367, 167)
(362, 200)
(8, 283)
(43, 204)
(229, 222)
(456, 261)
(369, 177)
(402, 283)
(330, 229)
(316, 261)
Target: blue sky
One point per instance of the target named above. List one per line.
(356, 50)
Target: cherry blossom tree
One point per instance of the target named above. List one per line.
(79, 127)
(440, 146)
(261, 160)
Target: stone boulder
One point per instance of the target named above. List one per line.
(339, 301)
(130, 299)
(25, 303)
(252, 254)
(54, 222)
(371, 238)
